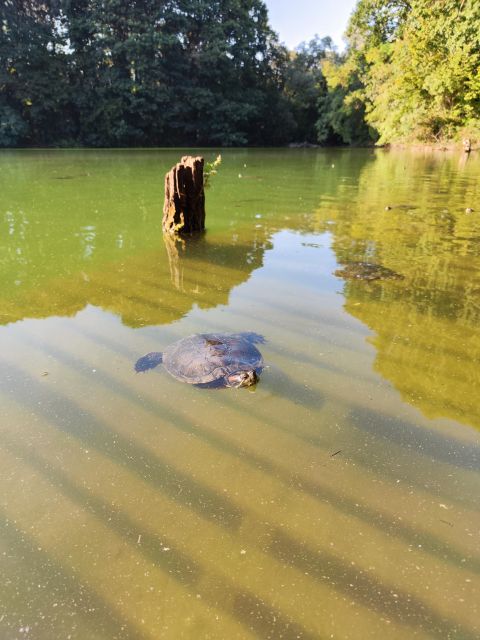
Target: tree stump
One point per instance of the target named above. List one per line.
(184, 206)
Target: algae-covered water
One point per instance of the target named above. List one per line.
(336, 499)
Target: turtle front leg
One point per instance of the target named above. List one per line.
(149, 361)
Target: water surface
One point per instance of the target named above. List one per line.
(336, 499)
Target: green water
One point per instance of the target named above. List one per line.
(336, 499)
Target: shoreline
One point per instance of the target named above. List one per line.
(418, 146)
(447, 146)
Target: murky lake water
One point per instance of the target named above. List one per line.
(336, 499)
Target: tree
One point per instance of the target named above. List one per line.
(305, 85)
(118, 73)
(426, 84)
(34, 91)
(342, 108)
(143, 72)
(223, 60)
(415, 69)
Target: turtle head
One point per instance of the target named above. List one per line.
(241, 379)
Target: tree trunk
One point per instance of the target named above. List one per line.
(184, 206)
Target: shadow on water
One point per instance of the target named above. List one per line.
(50, 583)
(406, 434)
(226, 514)
(266, 622)
(92, 432)
(384, 522)
(397, 605)
(176, 563)
(246, 607)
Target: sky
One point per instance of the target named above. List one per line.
(299, 20)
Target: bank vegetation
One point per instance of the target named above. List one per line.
(111, 73)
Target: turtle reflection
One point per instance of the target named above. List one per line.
(367, 271)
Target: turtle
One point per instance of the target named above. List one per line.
(210, 359)
(367, 271)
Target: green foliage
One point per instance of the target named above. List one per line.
(35, 97)
(145, 72)
(201, 72)
(305, 86)
(342, 108)
(377, 21)
(210, 170)
(12, 127)
(417, 64)
(426, 85)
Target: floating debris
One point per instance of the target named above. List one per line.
(367, 271)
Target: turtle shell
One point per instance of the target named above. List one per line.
(206, 357)
(367, 271)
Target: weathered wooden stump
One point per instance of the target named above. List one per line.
(184, 206)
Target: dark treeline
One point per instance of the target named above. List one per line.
(151, 72)
(212, 72)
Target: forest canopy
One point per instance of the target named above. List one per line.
(412, 67)
(212, 72)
